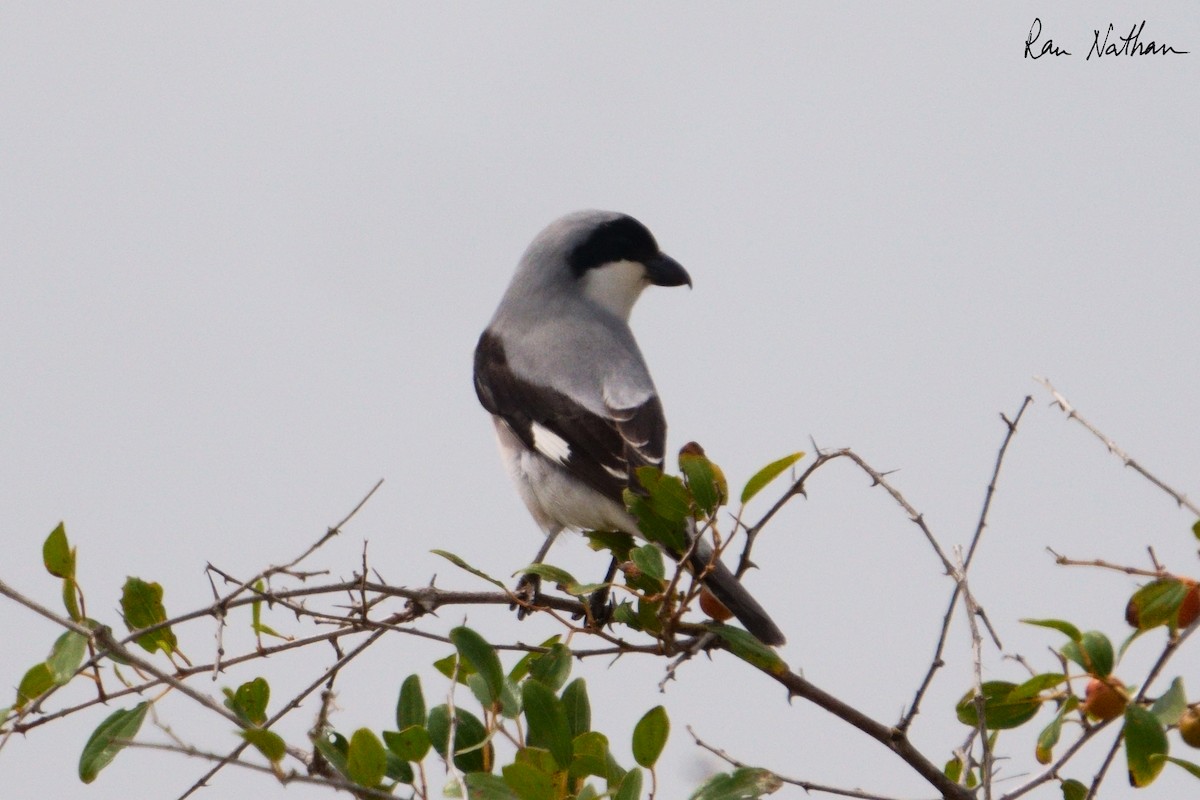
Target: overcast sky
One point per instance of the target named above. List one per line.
(246, 251)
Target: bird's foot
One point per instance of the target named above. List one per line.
(600, 608)
(528, 593)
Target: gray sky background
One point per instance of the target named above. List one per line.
(246, 251)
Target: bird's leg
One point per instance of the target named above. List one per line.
(529, 587)
(599, 607)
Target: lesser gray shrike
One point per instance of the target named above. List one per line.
(575, 409)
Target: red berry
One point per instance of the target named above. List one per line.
(710, 605)
(1189, 609)
(1189, 726)
(1104, 700)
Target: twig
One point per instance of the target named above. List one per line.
(284, 777)
(1064, 561)
(288, 707)
(937, 663)
(890, 737)
(807, 786)
(1060, 401)
(972, 610)
(223, 604)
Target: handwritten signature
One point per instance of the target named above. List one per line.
(1129, 45)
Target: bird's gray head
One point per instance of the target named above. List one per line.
(602, 257)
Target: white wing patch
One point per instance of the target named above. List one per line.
(616, 473)
(550, 444)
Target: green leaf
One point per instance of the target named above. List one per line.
(1050, 735)
(1038, 684)
(747, 647)
(560, 578)
(590, 755)
(521, 668)
(538, 758)
(615, 772)
(547, 721)
(250, 700)
(473, 753)
(269, 743)
(37, 681)
(578, 708)
(142, 606)
(108, 739)
(764, 476)
(485, 786)
(744, 783)
(256, 623)
(333, 746)
(1074, 790)
(702, 481)
(1093, 652)
(66, 656)
(553, 667)
(1171, 704)
(510, 700)
(647, 615)
(650, 736)
(410, 744)
(624, 614)
(631, 786)
(476, 651)
(1059, 625)
(410, 708)
(649, 560)
(1145, 745)
(483, 694)
(663, 510)
(57, 554)
(615, 542)
(458, 562)
(70, 591)
(398, 769)
(1157, 603)
(529, 782)
(1196, 528)
(1001, 710)
(450, 663)
(1191, 767)
(366, 760)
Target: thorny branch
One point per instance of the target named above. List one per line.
(365, 595)
(936, 663)
(1180, 499)
(808, 786)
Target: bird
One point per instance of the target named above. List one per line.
(575, 410)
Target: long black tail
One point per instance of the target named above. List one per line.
(729, 590)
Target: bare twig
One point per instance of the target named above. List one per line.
(287, 708)
(807, 786)
(936, 663)
(1064, 561)
(972, 610)
(1180, 499)
(285, 778)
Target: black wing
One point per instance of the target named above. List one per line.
(601, 450)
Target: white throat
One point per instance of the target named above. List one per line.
(616, 286)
